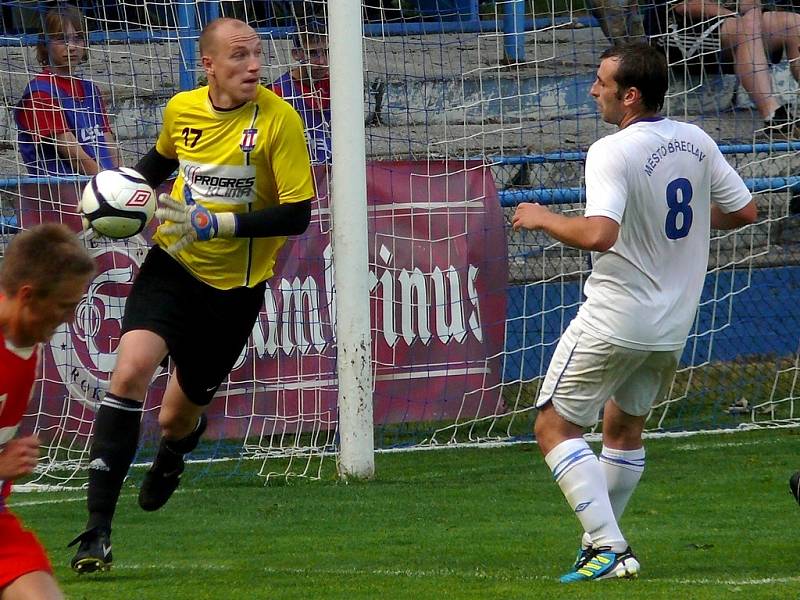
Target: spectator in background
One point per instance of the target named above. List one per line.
(739, 38)
(307, 87)
(62, 120)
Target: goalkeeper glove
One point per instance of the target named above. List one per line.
(192, 222)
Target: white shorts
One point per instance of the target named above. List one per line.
(586, 371)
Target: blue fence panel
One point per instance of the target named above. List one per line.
(756, 323)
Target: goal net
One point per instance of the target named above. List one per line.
(471, 107)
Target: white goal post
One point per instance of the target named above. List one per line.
(350, 247)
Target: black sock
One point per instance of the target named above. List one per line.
(170, 452)
(116, 436)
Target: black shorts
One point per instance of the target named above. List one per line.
(204, 328)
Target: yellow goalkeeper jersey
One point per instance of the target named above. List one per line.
(239, 160)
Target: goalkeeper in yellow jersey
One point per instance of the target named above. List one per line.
(244, 183)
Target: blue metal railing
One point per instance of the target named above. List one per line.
(565, 195)
(549, 157)
(187, 30)
(7, 182)
(514, 32)
(509, 198)
(370, 29)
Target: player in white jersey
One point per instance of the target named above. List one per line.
(654, 190)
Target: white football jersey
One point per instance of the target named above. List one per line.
(657, 179)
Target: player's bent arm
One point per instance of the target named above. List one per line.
(19, 457)
(35, 584)
(194, 222)
(113, 148)
(156, 168)
(595, 233)
(285, 219)
(198, 223)
(738, 218)
(69, 149)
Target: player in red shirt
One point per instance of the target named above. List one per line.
(43, 276)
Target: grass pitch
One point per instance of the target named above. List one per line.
(712, 518)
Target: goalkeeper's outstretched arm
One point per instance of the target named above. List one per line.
(194, 222)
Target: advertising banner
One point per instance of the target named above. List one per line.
(438, 276)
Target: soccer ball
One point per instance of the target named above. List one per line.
(118, 203)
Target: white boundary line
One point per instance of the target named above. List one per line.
(81, 498)
(14, 505)
(477, 573)
(590, 437)
(597, 437)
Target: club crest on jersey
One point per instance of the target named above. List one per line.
(248, 140)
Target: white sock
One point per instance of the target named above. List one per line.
(580, 477)
(622, 469)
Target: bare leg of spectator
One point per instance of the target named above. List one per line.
(782, 32)
(743, 35)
